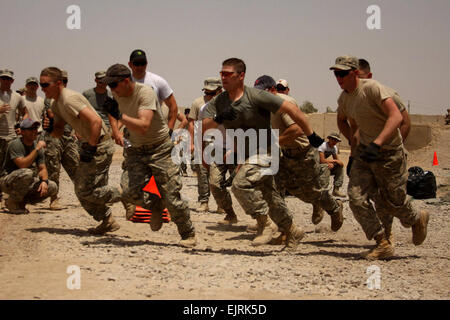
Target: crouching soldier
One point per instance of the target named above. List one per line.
(24, 174)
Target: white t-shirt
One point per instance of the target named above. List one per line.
(8, 120)
(35, 108)
(158, 84)
(327, 150)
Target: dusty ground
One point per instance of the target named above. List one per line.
(135, 263)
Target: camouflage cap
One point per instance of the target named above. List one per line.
(264, 82)
(212, 84)
(335, 135)
(116, 72)
(7, 73)
(64, 74)
(100, 74)
(345, 63)
(31, 80)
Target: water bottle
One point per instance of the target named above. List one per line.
(126, 143)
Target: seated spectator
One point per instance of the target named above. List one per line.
(335, 165)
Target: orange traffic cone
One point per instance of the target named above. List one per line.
(435, 160)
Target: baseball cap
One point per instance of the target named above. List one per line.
(28, 124)
(345, 63)
(138, 55)
(32, 79)
(212, 84)
(283, 82)
(115, 73)
(335, 135)
(7, 73)
(100, 74)
(264, 82)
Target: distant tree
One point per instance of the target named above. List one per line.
(329, 110)
(308, 107)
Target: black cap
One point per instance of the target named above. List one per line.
(265, 82)
(138, 55)
(115, 73)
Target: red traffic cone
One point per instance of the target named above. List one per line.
(435, 159)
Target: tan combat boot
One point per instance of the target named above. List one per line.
(338, 193)
(317, 215)
(337, 218)
(130, 210)
(108, 225)
(419, 229)
(16, 207)
(220, 210)
(203, 207)
(230, 218)
(382, 250)
(156, 221)
(189, 242)
(265, 232)
(54, 204)
(293, 236)
(253, 228)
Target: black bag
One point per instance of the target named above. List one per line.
(421, 184)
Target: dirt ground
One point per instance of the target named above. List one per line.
(38, 249)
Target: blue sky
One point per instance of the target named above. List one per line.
(186, 41)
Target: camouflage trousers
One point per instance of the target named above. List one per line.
(141, 163)
(62, 151)
(3, 147)
(91, 182)
(302, 175)
(258, 195)
(202, 182)
(382, 182)
(217, 176)
(22, 186)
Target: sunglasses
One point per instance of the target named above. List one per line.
(139, 63)
(44, 84)
(5, 78)
(341, 73)
(227, 74)
(114, 84)
(210, 93)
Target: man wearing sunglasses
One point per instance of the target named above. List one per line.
(378, 173)
(242, 107)
(11, 106)
(211, 86)
(96, 151)
(149, 154)
(138, 64)
(24, 175)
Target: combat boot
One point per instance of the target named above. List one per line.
(337, 218)
(203, 207)
(253, 228)
(220, 210)
(189, 242)
(54, 204)
(108, 225)
(130, 209)
(265, 232)
(293, 236)
(419, 229)
(156, 221)
(16, 207)
(382, 250)
(230, 218)
(338, 193)
(317, 215)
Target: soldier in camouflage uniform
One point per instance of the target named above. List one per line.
(149, 154)
(299, 165)
(96, 151)
(241, 107)
(61, 151)
(378, 173)
(24, 176)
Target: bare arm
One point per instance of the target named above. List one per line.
(290, 134)
(26, 162)
(297, 115)
(389, 107)
(43, 175)
(141, 124)
(95, 123)
(405, 127)
(116, 134)
(173, 110)
(183, 121)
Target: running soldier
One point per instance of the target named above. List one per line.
(378, 173)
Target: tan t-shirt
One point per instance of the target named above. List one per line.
(35, 108)
(8, 120)
(282, 121)
(68, 107)
(364, 106)
(144, 98)
(194, 113)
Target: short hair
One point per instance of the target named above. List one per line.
(236, 63)
(364, 65)
(53, 73)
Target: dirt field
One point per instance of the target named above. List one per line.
(36, 251)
